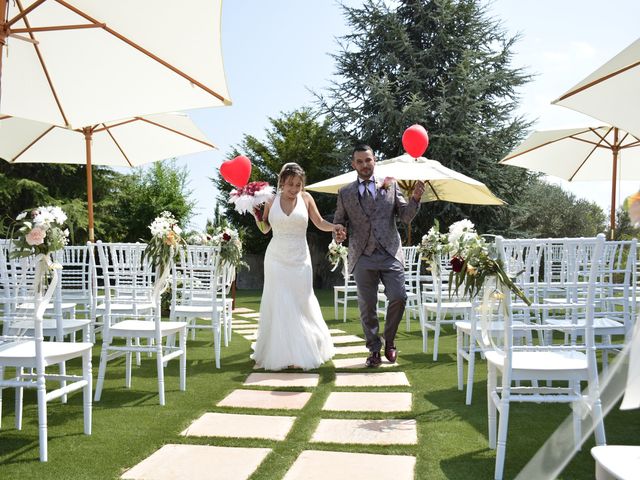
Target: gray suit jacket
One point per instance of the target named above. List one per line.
(389, 205)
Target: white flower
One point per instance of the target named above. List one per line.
(58, 215)
(21, 216)
(177, 229)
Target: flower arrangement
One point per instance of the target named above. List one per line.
(472, 261)
(165, 240)
(337, 252)
(251, 197)
(386, 184)
(39, 231)
(230, 245)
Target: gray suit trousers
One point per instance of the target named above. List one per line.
(368, 272)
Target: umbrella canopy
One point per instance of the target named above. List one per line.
(581, 154)
(79, 62)
(441, 183)
(130, 142)
(610, 94)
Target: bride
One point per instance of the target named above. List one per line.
(292, 332)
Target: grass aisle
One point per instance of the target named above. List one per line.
(129, 425)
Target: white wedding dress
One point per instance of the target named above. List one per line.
(292, 330)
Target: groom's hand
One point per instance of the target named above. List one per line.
(418, 190)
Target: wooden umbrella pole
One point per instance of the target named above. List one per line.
(4, 29)
(87, 140)
(614, 181)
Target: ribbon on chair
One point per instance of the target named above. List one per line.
(489, 311)
(162, 279)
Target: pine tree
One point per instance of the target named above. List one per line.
(443, 64)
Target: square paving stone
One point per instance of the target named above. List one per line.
(245, 330)
(277, 379)
(333, 331)
(265, 399)
(239, 323)
(346, 339)
(368, 402)
(238, 425)
(242, 310)
(374, 432)
(359, 362)
(250, 315)
(316, 465)
(371, 379)
(196, 462)
(351, 349)
(251, 336)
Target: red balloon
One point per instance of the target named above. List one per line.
(236, 171)
(415, 140)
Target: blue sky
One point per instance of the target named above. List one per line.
(276, 50)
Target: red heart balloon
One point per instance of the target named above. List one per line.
(236, 171)
(415, 140)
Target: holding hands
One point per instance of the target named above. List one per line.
(340, 233)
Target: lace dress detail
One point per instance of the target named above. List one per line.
(292, 330)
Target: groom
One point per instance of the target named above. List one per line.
(368, 207)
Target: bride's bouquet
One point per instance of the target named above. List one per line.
(251, 197)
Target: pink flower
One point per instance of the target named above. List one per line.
(386, 184)
(36, 236)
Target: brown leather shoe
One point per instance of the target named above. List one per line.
(391, 353)
(373, 360)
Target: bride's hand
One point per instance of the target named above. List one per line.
(340, 233)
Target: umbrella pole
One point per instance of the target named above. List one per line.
(614, 182)
(87, 140)
(4, 13)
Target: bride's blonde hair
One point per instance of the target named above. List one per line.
(291, 169)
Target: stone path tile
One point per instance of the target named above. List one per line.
(317, 465)
(239, 323)
(237, 425)
(265, 399)
(251, 336)
(375, 432)
(371, 379)
(333, 331)
(368, 402)
(242, 310)
(351, 349)
(359, 362)
(196, 462)
(250, 315)
(346, 339)
(277, 379)
(245, 330)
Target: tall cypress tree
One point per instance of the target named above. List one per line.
(444, 64)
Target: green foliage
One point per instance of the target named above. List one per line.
(294, 137)
(546, 210)
(445, 65)
(142, 196)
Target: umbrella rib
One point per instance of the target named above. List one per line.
(539, 146)
(597, 81)
(428, 182)
(13, 160)
(44, 67)
(117, 144)
(146, 52)
(176, 132)
(24, 12)
(56, 28)
(582, 163)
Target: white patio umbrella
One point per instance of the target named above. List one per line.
(581, 154)
(130, 142)
(610, 93)
(441, 183)
(80, 62)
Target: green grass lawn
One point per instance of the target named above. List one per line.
(129, 425)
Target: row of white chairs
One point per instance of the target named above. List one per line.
(120, 296)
